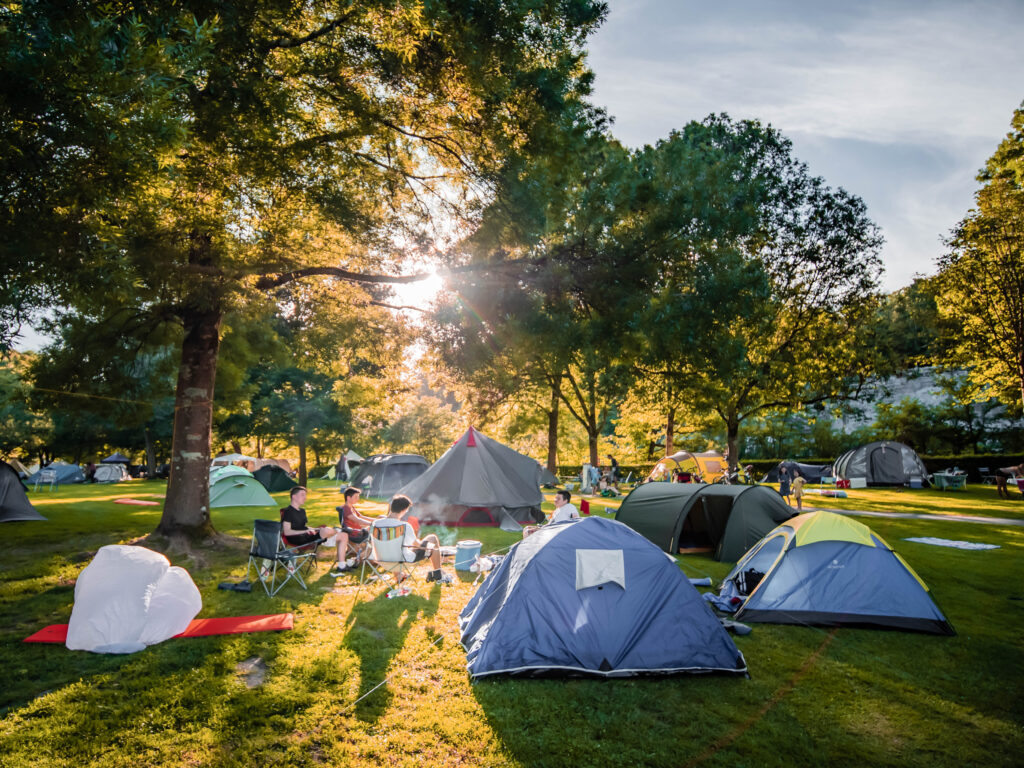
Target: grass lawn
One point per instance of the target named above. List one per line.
(815, 697)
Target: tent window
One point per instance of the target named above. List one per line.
(595, 567)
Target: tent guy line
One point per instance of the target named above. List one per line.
(774, 699)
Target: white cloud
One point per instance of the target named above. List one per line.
(900, 102)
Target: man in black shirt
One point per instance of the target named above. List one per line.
(296, 533)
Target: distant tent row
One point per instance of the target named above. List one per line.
(14, 503)
(826, 569)
(812, 473)
(727, 519)
(882, 463)
(710, 465)
(478, 481)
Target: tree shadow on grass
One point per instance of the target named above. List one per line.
(377, 629)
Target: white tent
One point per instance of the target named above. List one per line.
(128, 598)
(345, 467)
(111, 473)
(229, 458)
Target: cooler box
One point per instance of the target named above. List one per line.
(466, 553)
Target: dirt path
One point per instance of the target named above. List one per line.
(950, 518)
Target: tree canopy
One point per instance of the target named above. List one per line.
(981, 277)
(198, 155)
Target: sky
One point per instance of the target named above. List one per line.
(897, 102)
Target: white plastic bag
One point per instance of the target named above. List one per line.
(128, 598)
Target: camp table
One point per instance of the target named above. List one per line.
(948, 481)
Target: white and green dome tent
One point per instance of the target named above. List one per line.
(233, 486)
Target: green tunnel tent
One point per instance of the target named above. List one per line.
(14, 503)
(274, 478)
(381, 476)
(821, 568)
(727, 519)
(233, 486)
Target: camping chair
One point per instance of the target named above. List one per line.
(987, 476)
(269, 554)
(387, 536)
(47, 477)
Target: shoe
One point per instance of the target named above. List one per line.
(338, 570)
(447, 578)
(434, 576)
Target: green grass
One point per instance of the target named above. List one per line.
(868, 698)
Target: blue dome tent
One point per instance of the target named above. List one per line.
(592, 597)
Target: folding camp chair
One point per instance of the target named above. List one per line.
(387, 536)
(47, 477)
(987, 476)
(271, 556)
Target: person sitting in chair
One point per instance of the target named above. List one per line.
(564, 511)
(355, 526)
(417, 549)
(297, 534)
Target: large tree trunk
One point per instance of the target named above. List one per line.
(732, 427)
(150, 455)
(670, 432)
(592, 429)
(302, 459)
(187, 508)
(556, 388)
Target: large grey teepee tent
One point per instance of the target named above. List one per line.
(478, 481)
(14, 503)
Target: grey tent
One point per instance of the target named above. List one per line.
(111, 473)
(728, 519)
(478, 481)
(812, 473)
(14, 503)
(381, 476)
(66, 473)
(274, 479)
(116, 458)
(882, 463)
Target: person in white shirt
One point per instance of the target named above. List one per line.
(417, 549)
(564, 511)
